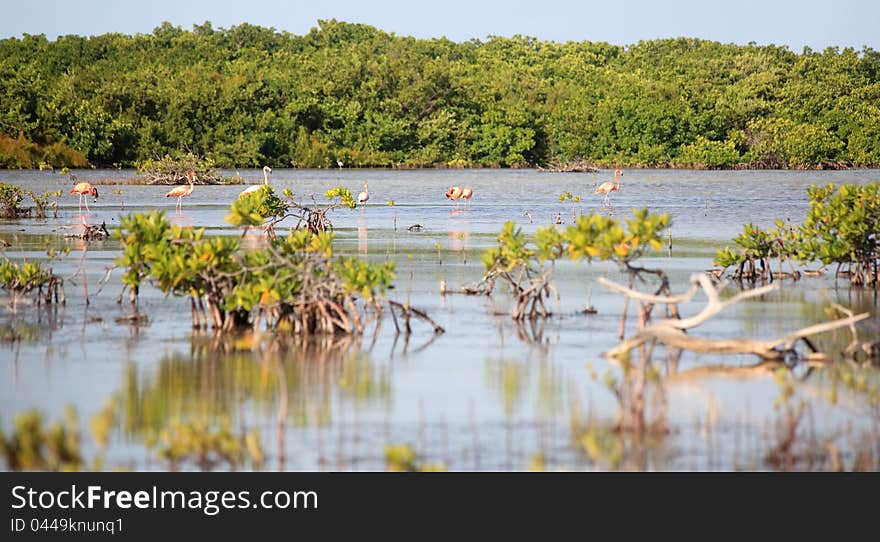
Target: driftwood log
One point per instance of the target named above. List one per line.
(89, 232)
(671, 331)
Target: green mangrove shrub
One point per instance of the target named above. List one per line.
(266, 208)
(523, 264)
(293, 283)
(11, 198)
(43, 202)
(754, 247)
(840, 228)
(174, 169)
(843, 227)
(21, 279)
(520, 267)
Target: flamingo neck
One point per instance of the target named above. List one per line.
(265, 177)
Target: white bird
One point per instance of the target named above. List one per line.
(364, 196)
(339, 163)
(252, 189)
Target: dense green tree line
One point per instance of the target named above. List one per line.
(248, 96)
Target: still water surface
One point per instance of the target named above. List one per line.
(487, 394)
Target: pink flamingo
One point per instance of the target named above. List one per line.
(608, 187)
(84, 189)
(180, 192)
(454, 193)
(466, 194)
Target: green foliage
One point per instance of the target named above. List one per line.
(44, 202)
(21, 279)
(522, 265)
(841, 227)
(207, 447)
(265, 206)
(344, 195)
(141, 235)
(293, 281)
(11, 197)
(757, 245)
(726, 257)
(246, 96)
(603, 237)
(568, 196)
(511, 251)
(705, 153)
(592, 236)
(31, 446)
(550, 244)
(363, 278)
(402, 458)
(22, 153)
(753, 243)
(781, 142)
(255, 208)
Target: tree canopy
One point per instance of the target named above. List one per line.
(248, 96)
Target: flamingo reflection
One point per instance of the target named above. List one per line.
(363, 235)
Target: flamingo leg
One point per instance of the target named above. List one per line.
(87, 205)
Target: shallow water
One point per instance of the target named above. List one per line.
(487, 394)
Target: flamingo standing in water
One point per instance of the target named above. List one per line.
(252, 189)
(454, 193)
(364, 196)
(84, 189)
(180, 192)
(608, 187)
(466, 194)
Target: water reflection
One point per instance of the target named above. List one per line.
(363, 234)
(217, 378)
(178, 218)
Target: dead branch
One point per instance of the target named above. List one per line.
(648, 298)
(671, 331)
(714, 306)
(407, 310)
(577, 165)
